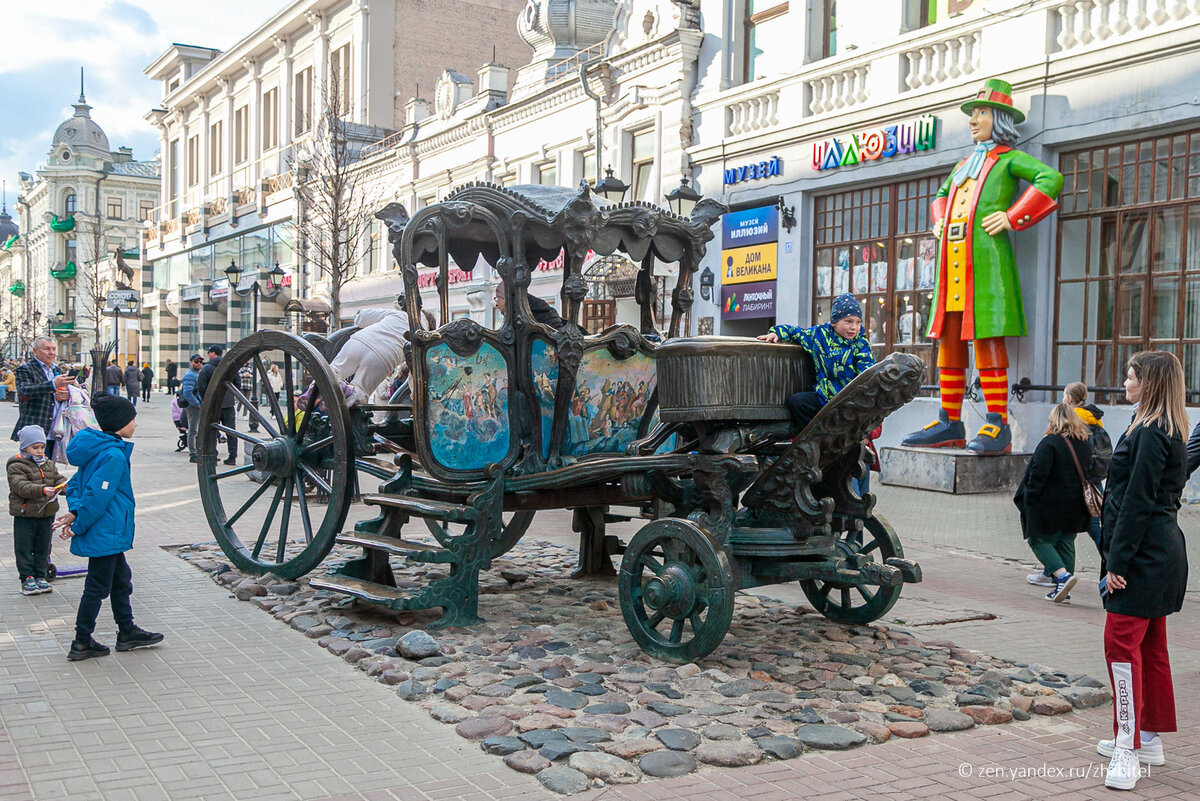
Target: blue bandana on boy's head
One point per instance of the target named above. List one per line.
(845, 305)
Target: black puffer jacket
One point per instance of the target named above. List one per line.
(1050, 495)
(1141, 540)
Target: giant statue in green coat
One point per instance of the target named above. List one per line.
(978, 291)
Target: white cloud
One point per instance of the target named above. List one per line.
(114, 41)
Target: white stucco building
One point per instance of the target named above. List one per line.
(1109, 90)
(237, 128)
(75, 213)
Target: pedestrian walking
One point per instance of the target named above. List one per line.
(189, 401)
(275, 382)
(132, 378)
(228, 412)
(41, 389)
(1050, 499)
(1144, 562)
(33, 485)
(172, 371)
(147, 381)
(100, 524)
(113, 378)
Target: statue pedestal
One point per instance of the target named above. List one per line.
(958, 472)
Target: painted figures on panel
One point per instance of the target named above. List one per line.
(608, 402)
(468, 407)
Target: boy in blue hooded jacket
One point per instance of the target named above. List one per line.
(100, 525)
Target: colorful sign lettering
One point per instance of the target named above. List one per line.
(753, 172)
(747, 301)
(753, 263)
(756, 226)
(875, 143)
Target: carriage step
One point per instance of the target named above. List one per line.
(360, 588)
(417, 551)
(423, 507)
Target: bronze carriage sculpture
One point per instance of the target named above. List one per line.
(690, 433)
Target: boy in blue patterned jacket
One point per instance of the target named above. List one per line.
(839, 350)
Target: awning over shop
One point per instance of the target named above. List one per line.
(66, 327)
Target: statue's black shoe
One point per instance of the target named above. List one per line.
(135, 637)
(87, 650)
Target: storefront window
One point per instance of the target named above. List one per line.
(1129, 259)
(875, 243)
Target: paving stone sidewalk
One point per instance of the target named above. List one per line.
(235, 706)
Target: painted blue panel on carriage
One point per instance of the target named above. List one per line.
(468, 407)
(749, 227)
(608, 403)
(543, 358)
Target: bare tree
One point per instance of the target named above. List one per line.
(91, 275)
(337, 198)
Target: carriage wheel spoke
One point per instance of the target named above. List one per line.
(867, 595)
(316, 446)
(656, 567)
(254, 412)
(870, 547)
(250, 502)
(253, 440)
(825, 588)
(266, 526)
(291, 398)
(653, 621)
(677, 631)
(285, 520)
(304, 515)
(274, 399)
(316, 479)
(697, 623)
(240, 471)
(846, 598)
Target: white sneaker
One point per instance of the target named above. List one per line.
(1123, 771)
(1151, 752)
(1040, 580)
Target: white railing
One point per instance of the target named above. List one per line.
(1086, 22)
(939, 62)
(838, 90)
(750, 114)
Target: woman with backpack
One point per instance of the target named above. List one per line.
(1051, 498)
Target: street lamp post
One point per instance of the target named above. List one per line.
(273, 287)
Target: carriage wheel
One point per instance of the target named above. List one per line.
(856, 603)
(675, 593)
(277, 525)
(515, 526)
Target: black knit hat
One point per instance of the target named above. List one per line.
(112, 411)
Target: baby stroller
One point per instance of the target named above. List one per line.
(180, 425)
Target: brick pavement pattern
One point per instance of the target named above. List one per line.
(235, 706)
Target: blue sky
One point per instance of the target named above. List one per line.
(113, 40)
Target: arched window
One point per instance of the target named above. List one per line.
(72, 204)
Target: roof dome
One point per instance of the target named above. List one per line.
(8, 228)
(557, 29)
(81, 133)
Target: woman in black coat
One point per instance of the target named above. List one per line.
(1050, 498)
(1145, 564)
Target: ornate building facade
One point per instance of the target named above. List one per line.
(80, 218)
